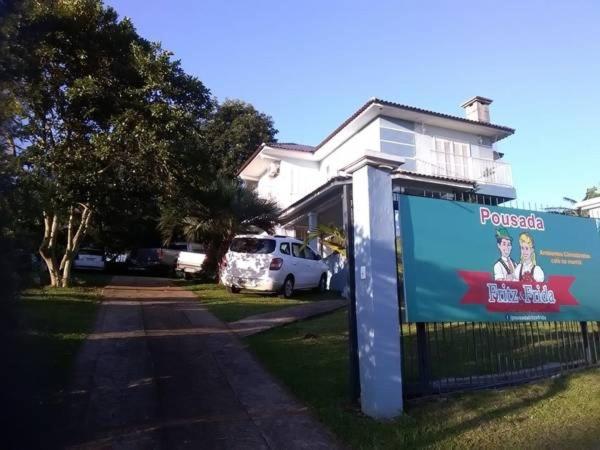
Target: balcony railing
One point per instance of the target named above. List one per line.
(465, 167)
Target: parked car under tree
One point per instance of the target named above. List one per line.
(90, 259)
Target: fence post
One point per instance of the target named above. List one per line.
(424, 358)
(586, 342)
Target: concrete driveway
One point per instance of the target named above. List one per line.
(161, 372)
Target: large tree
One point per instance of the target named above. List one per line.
(103, 121)
(234, 132)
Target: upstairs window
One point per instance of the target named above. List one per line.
(452, 158)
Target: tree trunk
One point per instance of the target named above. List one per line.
(215, 255)
(210, 264)
(47, 248)
(73, 242)
(60, 274)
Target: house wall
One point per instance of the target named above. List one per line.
(417, 143)
(413, 141)
(295, 179)
(366, 139)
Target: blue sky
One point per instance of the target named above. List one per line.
(311, 64)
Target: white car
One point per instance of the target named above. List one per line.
(89, 259)
(189, 263)
(272, 264)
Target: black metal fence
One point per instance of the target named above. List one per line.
(443, 357)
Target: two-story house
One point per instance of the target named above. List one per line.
(433, 154)
(351, 178)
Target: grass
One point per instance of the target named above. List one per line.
(231, 307)
(51, 325)
(311, 358)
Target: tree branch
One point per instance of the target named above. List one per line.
(69, 248)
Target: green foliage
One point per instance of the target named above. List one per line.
(217, 213)
(592, 192)
(102, 112)
(234, 132)
(105, 122)
(8, 218)
(330, 236)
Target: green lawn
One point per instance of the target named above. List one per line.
(51, 325)
(231, 307)
(311, 358)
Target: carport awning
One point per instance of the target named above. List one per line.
(324, 199)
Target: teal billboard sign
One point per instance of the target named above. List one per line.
(471, 262)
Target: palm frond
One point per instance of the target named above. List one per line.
(330, 236)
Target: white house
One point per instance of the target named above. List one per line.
(350, 178)
(434, 153)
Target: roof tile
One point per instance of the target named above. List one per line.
(292, 146)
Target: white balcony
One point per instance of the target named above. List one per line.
(479, 170)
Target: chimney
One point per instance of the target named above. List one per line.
(478, 109)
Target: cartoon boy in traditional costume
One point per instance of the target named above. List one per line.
(505, 267)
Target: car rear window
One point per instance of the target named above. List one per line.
(182, 247)
(252, 245)
(91, 251)
(197, 248)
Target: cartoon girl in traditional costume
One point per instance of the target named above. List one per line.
(527, 270)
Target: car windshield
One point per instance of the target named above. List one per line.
(252, 245)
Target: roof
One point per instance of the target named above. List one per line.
(375, 100)
(436, 177)
(590, 203)
(292, 146)
(324, 187)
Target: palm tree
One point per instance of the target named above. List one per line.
(330, 236)
(216, 215)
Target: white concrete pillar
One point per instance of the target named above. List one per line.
(378, 326)
(313, 223)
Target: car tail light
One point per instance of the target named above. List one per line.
(276, 264)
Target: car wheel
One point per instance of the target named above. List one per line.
(287, 290)
(322, 286)
(233, 290)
